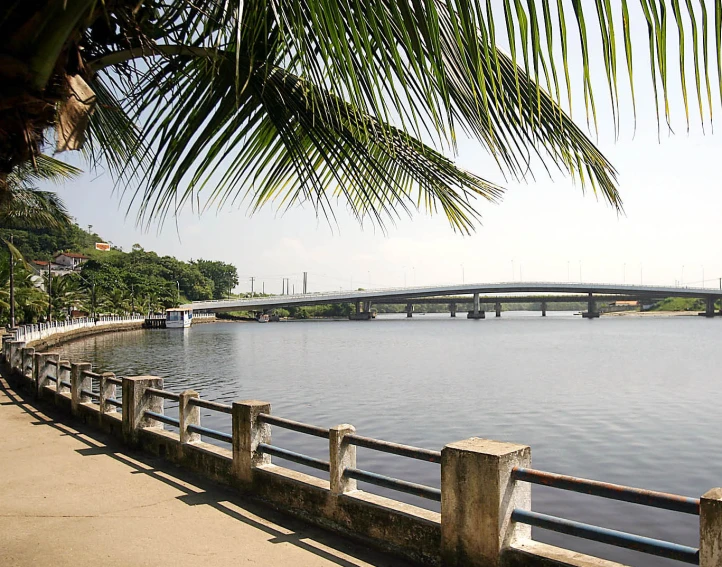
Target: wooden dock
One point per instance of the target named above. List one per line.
(154, 323)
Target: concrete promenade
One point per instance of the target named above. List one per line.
(73, 496)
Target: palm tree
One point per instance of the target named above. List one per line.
(322, 101)
(23, 205)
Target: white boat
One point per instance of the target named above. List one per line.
(178, 318)
(263, 318)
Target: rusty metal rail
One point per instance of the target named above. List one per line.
(664, 500)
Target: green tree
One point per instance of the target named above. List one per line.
(317, 101)
(224, 276)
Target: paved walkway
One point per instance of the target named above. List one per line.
(73, 497)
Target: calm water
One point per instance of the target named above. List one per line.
(627, 400)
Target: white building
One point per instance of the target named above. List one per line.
(69, 260)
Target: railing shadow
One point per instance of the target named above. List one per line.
(201, 492)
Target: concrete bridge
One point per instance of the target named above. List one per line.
(476, 294)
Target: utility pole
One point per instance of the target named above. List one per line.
(50, 294)
(252, 280)
(263, 288)
(305, 283)
(12, 285)
(132, 299)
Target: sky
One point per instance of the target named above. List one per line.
(544, 229)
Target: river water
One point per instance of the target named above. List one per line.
(628, 400)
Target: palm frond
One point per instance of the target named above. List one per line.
(32, 208)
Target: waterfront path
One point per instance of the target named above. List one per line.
(71, 496)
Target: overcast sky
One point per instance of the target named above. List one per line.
(543, 230)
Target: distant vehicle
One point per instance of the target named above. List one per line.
(178, 318)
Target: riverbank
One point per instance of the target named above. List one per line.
(652, 314)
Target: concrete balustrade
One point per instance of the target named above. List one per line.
(248, 432)
(188, 414)
(106, 390)
(80, 381)
(45, 367)
(27, 354)
(478, 493)
(64, 376)
(342, 455)
(136, 401)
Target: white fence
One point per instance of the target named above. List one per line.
(29, 333)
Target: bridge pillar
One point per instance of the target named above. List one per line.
(709, 312)
(452, 309)
(591, 312)
(544, 308)
(363, 311)
(409, 310)
(476, 313)
(497, 308)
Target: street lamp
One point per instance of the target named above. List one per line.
(177, 295)
(462, 273)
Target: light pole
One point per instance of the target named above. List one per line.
(462, 274)
(568, 276)
(512, 271)
(580, 271)
(177, 294)
(624, 273)
(681, 281)
(12, 284)
(703, 282)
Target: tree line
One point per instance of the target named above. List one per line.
(110, 282)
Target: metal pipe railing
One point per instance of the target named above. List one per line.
(294, 425)
(162, 418)
(664, 500)
(213, 433)
(394, 448)
(215, 406)
(643, 544)
(165, 394)
(394, 483)
(294, 457)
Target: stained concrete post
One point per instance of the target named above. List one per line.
(42, 369)
(248, 432)
(478, 496)
(544, 308)
(107, 390)
(188, 414)
(452, 309)
(497, 308)
(27, 357)
(342, 456)
(710, 529)
(80, 381)
(16, 357)
(136, 401)
(63, 375)
(409, 309)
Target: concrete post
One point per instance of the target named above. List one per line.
(107, 390)
(409, 309)
(136, 401)
(42, 369)
(710, 529)
(79, 381)
(27, 357)
(452, 309)
(497, 308)
(477, 499)
(63, 375)
(16, 360)
(188, 415)
(544, 308)
(6, 347)
(342, 456)
(248, 432)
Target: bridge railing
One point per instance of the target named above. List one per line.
(485, 493)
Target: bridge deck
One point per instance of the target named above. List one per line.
(449, 291)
